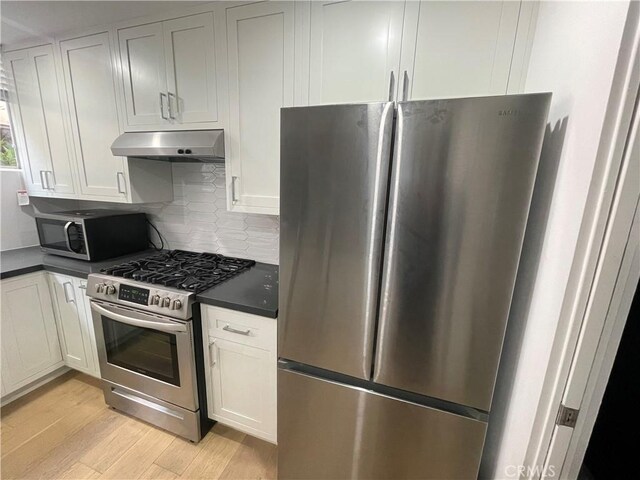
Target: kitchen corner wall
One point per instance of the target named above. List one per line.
(197, 219)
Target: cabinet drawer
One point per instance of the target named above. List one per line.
(239, 327)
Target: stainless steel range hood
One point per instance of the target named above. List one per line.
(177, 146)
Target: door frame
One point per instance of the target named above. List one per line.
(605, 264)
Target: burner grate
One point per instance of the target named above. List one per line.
(180, 269)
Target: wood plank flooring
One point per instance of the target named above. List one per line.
(64, 430)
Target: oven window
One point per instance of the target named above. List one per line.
(142, 350)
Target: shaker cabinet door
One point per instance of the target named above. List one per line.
(30, 347)
(260, 52)
(36, 108)
(73, 330)
(457, 49)
(190, 51)
(354, 51)
(143, 72)
(91, 90)
(243, 387)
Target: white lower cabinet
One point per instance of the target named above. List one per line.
(30, 348)
(74, 323)
(241, 359)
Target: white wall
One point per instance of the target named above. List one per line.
(17, 226)
(573, 55)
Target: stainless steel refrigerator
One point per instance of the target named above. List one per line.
(401, 228)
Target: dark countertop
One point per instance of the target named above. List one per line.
(254, 291)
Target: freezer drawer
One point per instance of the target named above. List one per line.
(334, 169)
(331, 430)
(462, 178)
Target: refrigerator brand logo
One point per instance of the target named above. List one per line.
(510, 112)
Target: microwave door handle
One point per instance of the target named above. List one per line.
(161, 327)
(66, 235)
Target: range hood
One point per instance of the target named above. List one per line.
(176, 146)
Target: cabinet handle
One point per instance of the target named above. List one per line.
(405, 86)
(121, 189)
(53, 179)
(227, 328)
(233, 189)
(68, 298)
(171, 115)
(391, 83)
(162, 94)
(82, 286)
(212, 355)
(43, 180)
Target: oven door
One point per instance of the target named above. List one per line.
(62, 237)
(149, 353)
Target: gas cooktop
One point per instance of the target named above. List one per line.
(180, 269)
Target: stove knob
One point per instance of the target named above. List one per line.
(100, 287)
(155, 300)
(166, 302)
(110, 289)
(176, 305)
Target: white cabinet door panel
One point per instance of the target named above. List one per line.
(354, 48)
(91, 90)
(143, 72)
(244, 387)
(26, 110)
(72, 323)
(459, 48)
(261, 54)
(59, 177)
(30, 347)
(191, 69)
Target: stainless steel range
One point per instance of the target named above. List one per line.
(149, 341)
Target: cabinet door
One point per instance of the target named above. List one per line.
(91, 90)
(191, 69)
(143, 72)
(354, 51)
(72, 323)
(30, 347)
(453, 49)
(243, 387)
(26, 110)
(260, 52)
(84, 306)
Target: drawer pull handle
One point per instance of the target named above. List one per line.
(227, 328)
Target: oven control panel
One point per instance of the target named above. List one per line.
(166, 301)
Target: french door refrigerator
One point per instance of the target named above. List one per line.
(401, 228)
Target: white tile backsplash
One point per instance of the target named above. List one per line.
(197, 219)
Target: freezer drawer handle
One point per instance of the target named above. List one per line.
(227, 328)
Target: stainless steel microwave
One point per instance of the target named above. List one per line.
(92, 234)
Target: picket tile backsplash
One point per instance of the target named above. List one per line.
(197, 219)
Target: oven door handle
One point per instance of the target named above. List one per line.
(161, 327)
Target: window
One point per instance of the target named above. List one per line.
(8, 157)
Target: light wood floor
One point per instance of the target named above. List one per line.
(65, 430)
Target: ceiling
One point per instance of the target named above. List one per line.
(23, 20)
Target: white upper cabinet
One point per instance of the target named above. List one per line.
(169, 74)
(354, 51)
(92, 94)
(144, 74)
(191, 69)
(37, 112)
(453, 49)
(261, 76)
(91, 90)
